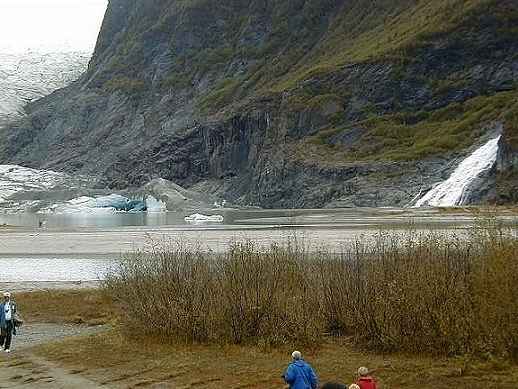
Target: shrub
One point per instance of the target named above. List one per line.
(412, 292)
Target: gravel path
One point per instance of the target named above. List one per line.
(29, 371)
(22, 369)
(34, 334)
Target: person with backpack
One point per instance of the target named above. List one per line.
(300, 374)
(8, 310)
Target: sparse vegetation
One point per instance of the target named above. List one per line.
(114, 359)
(90, 307)
(221, 95)
(410, 136)
(126, 85)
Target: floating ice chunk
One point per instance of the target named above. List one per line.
(199, 218)
(223, 204)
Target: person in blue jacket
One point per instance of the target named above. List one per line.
(300, 374)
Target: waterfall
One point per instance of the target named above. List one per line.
(453, 191)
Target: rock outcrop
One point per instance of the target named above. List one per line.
(289, 103)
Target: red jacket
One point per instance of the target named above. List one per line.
(366, 383)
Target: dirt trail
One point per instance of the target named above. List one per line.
(22, 369)
(28, 371)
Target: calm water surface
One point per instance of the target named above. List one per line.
(85, 247)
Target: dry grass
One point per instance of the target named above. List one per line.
(422, 293)
(91, 307)
(115, 360)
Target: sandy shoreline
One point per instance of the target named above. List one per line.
(111, 243)
(33, 286)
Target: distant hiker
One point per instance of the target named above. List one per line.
(7, 322)
(365, 381)
(300, 374)
(334, 385)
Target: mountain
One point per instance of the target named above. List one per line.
(287, 103)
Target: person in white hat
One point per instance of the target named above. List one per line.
(7, 327)
(365, 381)
(300, 374)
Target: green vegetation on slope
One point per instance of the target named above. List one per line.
(242, 52)
(381, 30)
(409, 135)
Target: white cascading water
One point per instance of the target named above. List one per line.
(452, 192)
(154, 205)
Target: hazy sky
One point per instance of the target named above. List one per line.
(47, 25)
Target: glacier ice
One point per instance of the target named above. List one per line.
(101, 205)
(14, 179)
(454, 190)
(46, 191)
(30, 75)
(154, 205)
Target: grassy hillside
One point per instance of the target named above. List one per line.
(243, 52)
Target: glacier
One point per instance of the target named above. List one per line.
(15, 179)
(24, 189)
(33, 74)
(454, 191)
(105, 205)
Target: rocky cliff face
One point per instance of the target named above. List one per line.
(283, 103)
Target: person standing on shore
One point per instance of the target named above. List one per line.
(7, 327)
(300, 374)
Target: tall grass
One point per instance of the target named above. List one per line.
(412, 292)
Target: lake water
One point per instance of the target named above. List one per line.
(74, 247)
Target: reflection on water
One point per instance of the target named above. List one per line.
(339, 217)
